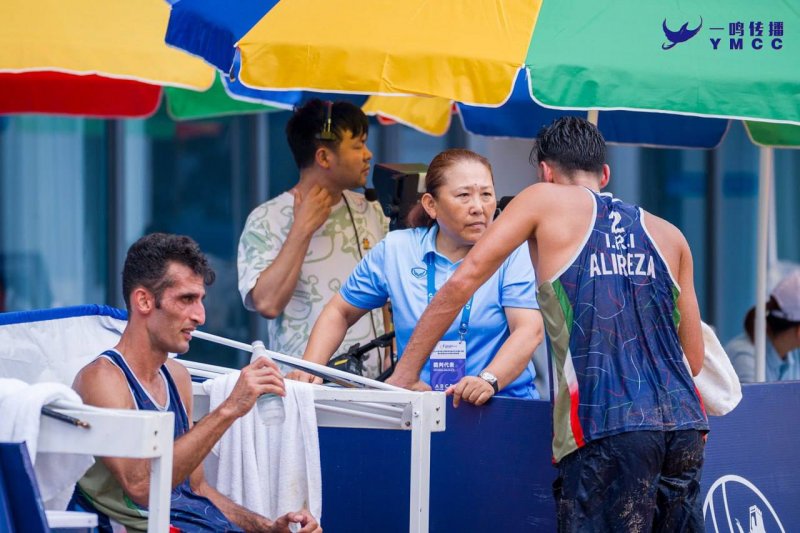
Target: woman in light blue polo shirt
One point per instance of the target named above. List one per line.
(487, 350)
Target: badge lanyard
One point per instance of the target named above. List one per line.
(462, 328)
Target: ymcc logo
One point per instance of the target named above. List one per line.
(734, 504)
(680, 36)
(754, 34)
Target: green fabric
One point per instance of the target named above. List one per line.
(676, 314)
(557, 314)
(771, 134)
(100, 487)
(589, 54)
(563, 300)
(183, 104)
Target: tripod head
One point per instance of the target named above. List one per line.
(353, 359)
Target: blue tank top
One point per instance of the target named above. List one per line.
(612, 322)
(188, 511)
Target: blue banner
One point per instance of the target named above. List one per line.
(491, 469)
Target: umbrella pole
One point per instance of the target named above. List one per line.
(593, 115)
(766, 169)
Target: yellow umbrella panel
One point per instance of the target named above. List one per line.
(113, 38)
(464, 50)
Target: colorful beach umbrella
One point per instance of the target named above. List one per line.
(183, 104)
(90, 57)
(211, 30)
(577, 54)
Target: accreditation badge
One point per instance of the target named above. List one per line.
(448, 364)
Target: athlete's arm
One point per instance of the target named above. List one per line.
(241, 516)
(513, 227)
(689, 330)
(103, 385)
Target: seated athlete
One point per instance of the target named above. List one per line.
(163, 282)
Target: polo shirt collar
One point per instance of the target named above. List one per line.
(429, 246)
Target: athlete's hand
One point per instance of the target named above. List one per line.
(408, 382)
(262, 376)
(302, 517)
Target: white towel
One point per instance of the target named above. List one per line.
(21, 405)
(271, 470)
(717, 381)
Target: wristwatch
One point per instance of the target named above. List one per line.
(489, 378)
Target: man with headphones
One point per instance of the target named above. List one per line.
(297, 249)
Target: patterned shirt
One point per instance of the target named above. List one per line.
(612, 321)
(332, 255)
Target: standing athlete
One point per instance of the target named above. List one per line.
(621, 313)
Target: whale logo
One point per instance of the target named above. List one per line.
(733, 504)
(680, 36)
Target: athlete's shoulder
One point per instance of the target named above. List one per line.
(668, 238)
(662, 228)
(103, 384)
(545, 195)
(101, 368)
(183, 380)
(178, 371)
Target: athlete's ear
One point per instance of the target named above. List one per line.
(606, 176)
(142, 299)
(545, 172)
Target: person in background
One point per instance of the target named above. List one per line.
(783, 336)
(2, 293)
(617, 295)
(487, 350)
(163, 283)
(296, 250)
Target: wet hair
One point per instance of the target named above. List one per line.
(775, 325)
(148, 260)
(436, 179)
(571, 144)
(304, 128)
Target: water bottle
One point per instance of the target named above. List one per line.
(269, 406)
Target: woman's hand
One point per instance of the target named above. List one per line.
(471, 389)
(304, 377)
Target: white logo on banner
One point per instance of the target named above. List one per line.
(722, 514)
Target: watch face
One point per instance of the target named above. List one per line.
(488, 376)
(491, 379)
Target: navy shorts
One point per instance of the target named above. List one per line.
(637, 481)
